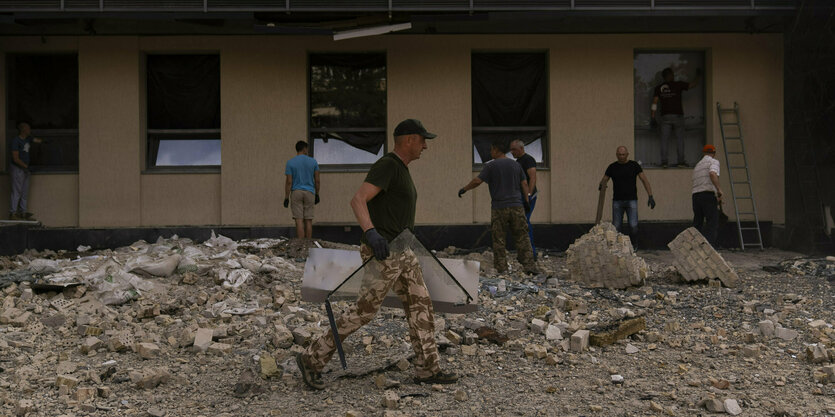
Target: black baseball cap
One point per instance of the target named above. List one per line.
(412, 127)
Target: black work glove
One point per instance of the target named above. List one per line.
(651, 202)
(316, 201)
(653, 123)
(378, 244)
(461, 192)
(526, 205)
(286, 202)
(599, 187)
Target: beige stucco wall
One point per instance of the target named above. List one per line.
(264, 112)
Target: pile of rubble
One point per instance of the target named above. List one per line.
(605, 258)
(175, 328)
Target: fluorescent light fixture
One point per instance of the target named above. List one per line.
(370, 31)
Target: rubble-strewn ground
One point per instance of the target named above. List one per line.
(139, 356)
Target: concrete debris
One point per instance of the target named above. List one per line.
(605, 258)
(99, 336)
(732, 407)
(696, 260)
(580, 341)
(606, 335)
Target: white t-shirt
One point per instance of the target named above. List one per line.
(701, 174)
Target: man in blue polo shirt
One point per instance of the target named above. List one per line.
(19, 172)
(302, 187)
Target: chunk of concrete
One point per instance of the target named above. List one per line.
(579, 341)
(696, 260)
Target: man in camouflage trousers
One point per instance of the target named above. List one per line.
(509, 202)
(384, 206)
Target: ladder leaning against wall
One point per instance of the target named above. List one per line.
(738, 175)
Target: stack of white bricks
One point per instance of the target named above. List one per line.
(696, 260)
(605, 258)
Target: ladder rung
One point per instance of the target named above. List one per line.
(749, 228)
(752, 244)
(742, 182)
(743, 198)
(739, 166)
(727, 110)
(746, 212)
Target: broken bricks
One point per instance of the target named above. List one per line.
(605, 258)
(696, 260)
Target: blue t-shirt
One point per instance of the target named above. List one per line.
(504, 177)
(22, 146)
(302, 168)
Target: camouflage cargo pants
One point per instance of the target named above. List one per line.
(513, 219)
(400, 272)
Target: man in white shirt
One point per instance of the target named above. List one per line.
(707, 195)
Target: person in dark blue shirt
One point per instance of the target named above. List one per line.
(19, 172)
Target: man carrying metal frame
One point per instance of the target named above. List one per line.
(384, 206)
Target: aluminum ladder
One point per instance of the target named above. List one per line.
(738, 175)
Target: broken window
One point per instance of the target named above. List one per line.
(509, 102)
(183, 110)
(347, 108)
(648, 66)
(42, 90)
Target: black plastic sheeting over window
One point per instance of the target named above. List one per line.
(509, 90)
(183, 92)
(43, 90)
(348, 99)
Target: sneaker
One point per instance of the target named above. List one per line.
(310, 377)
(13, 216)
(439, 378)
(683, 165)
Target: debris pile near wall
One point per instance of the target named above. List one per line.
(696, 260)
(605, 258)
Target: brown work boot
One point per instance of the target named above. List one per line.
(439, 378)
(310, 377)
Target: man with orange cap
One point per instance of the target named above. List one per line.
(707, 195)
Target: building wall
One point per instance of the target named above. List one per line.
(264, 112)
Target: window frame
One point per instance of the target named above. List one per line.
(47, 134)
(543, 165)
(706, 108)
(313, 131)
(153, 137)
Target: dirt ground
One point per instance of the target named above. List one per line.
(700, 342)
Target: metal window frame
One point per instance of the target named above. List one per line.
(704, 52)
(154, 136)
(546, 140)
(347, 167)
(37, 132)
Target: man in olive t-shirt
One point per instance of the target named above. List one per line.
(384, 206)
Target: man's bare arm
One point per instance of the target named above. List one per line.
(17, 161)
(316, 180)
(715, 180)
(475, 182)
(359, 204)
(532, 182)
(603, 181)
(525, 190)
(288, 183)
(645, 181)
